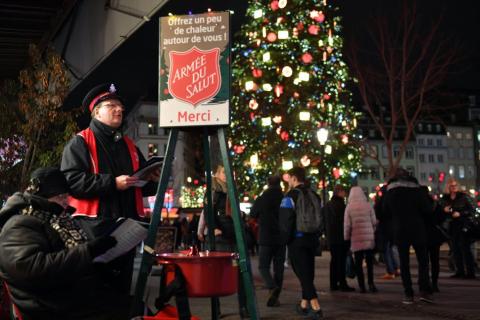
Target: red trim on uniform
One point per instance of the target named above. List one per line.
(94, 101)
(90, 207)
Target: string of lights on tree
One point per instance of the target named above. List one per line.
(289, 81)
(192, 196)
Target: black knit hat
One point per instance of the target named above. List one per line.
(48, 182)
(100, 93)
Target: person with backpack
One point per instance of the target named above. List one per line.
(301, 223)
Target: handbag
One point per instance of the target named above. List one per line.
(471, 226)
(350, 266)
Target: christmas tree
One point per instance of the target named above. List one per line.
(289, 91)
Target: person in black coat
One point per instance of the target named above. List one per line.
(99, 163)
(47, 260)
(436, 236)
(458, 208)
(271, 249)
(409, 209)
(334, 212)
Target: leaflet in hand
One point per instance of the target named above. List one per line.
(128, 235)
(146, 169)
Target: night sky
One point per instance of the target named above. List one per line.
(138, 58)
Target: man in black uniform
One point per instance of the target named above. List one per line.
(98, 163)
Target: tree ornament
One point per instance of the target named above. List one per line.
(336, 173)
(274, 5)
(313, 29)
(344, 139)
(326, 96)
(282, 4)
(284, 135)
(300, 26)
(253, 104)
(257, 73)
(305, 161)
(307, 58)
(238, 149)
(278, 90)
(277, 119)
(296, 94)
(271, 37)
(287, 71)
(320, 17)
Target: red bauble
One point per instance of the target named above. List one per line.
(252, 116)
(271, 37)
(195, 182)
(313, 29)
(238, 149)
(336, 173)
(320, 17)
(300, 26)
(257, 73)
(284, 135)
(326, 96)
(274, 5)
(307, 58)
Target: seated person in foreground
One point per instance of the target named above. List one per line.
(47, 260)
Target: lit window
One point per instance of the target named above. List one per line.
(461, 172)
(152, 129)
(451, 170)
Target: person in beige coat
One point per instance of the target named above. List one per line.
(359, 228)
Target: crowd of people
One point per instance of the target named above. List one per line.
(403, 216)
(52, 232)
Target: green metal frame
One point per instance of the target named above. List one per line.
(148, 258)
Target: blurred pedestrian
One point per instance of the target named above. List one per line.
(271, 249)
(302, 222)
(458, 209)
(409, 208)
(360, 222)
(334, 212)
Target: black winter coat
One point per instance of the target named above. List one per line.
(334, 212)
(46, 280)
(266, 208)
(114, 160)
(409, 208)
(462, 204)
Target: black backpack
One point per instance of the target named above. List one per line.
(308, 210)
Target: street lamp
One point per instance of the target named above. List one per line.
(322, 136)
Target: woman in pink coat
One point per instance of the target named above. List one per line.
(359, 228)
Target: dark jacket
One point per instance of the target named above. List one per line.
(287, 218)
(462, 204)
(46, 280)
(114, 160)
(222, 216)
(334, 212)
(409, 208)
(266, 208)
(436, 235)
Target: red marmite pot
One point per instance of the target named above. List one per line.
(209, 274)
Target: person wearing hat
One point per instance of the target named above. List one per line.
(98, 164)
(46, 259)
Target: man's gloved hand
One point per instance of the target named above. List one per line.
(101, 245)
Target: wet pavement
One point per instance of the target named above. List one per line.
(458, 298)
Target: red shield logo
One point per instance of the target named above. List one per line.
(194, 75)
